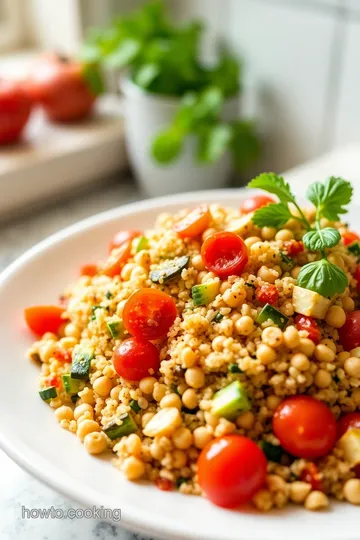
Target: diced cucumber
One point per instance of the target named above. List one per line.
(72, 386)
(218, 317)
(354, 248)
(310, 303)
(205, 293)
(80, 367)
(142, 243)
(272, 452)
(230, 401)
(48, 393)
(350, 445)
(234, 368)
(116, 328)
(135, 406)
(169, 270)
(116, 429)
(287, 263)
(269, 312)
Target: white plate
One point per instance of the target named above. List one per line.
(30, 434)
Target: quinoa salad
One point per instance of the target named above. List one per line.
(218, 353)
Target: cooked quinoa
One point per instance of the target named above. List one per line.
(207, 348)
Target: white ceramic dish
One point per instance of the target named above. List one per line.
(31, 436)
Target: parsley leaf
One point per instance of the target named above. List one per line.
(272, 215)
(275, 184)
(331, 197)
(321, 239)
(323, 277)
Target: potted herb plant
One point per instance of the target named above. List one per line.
(183, 130)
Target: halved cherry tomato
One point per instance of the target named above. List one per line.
(89, 270)
(194, 223)
(311, 475)
(135, 359)
(41, 319)
(63, 355)
(164, 484)
(267, 294)
(350, 420)
(307, 323)
(225, 254)
(231, 470)
(294, 247)
(305, 427)
(348, 237)
(255, 202)
(121, 237)
(149, 313)
(349, 334)
(117, 260)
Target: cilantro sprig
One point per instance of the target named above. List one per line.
(330, 200)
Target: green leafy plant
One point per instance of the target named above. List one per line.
(330, 200)
(164, 59)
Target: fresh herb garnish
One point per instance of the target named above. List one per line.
(181, 480)
(218, 317)
(272, 452)
(135, 406)
(108, 295)
(234, 368)
(330, 200)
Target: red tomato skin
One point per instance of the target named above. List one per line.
(311, 475)
(15, 109)
(305, 427)
(267, 294)
(349, 334)
(53, 380)
(348, 237)
(294, 247)
(348, 421)
(254, 203)
(89, 270)
(59, 86)
(194, 223)
(41, 319)
(121, 237)
(307, 323)
(225, 254)
(164, 484)
(231, 470)
(117, 260)
(133, 359)
(149, 314)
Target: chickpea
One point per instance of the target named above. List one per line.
(171, 400)
(47, 350)
(268, 274)
(195, 377)
(335, 316)
(316, 500)
(306, 346)
(102, 386)
(244, 326)
(83, 408)
(64, 413)
(251, 240)
(268, 233)
(201, 437)
(299, 491)
(146, 418)
(329, 343)
(133, 444)
(246, 420)
(224, 287)
(143, 403)
(95, 442)
(179, 459)
(218, 343)
(348, 304)
(190, 399)
(159, 391)
(295, 272)
(234, 298)
(273, 401)
(300, 361)
(291, 337)
(355, 352)
(72, 330)
(283, 235)
(265, 354)
(272, 336)
(351, 491)
(133, 468)
(146, 385)
(341, 357)
(324, 354)
(182, 438)
(352, 367)
(85, 427)
(322, 378)
(197, 262)
(188, 357)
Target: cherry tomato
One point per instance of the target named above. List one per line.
(255, 202)
(59, 86)
(348, 237)
(307, 323)
(62, 355)
(311, 475)
(231, 470)
(117, 260)
(149, 313)
(349, 334)
(305, 427)
(53, 380)
(350, 420)
(195, 223)
(41, 319)
(121, 237)
(15, 108)
(267, 294)
(164, 484)
(294, 247)
(89, 270)
(134, 358)
(225, 254)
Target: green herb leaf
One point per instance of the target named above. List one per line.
(323, 277)
(214, 142)
(125, 53)
(275, 184)
(331, 197)
(146, 75)
(321, 239)
(167, 145)
(245, 144)
(272, 215)
(94, 78)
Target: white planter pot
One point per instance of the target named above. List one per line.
(145, 115)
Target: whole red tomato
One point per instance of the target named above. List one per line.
(60, 87)
(15, 108)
